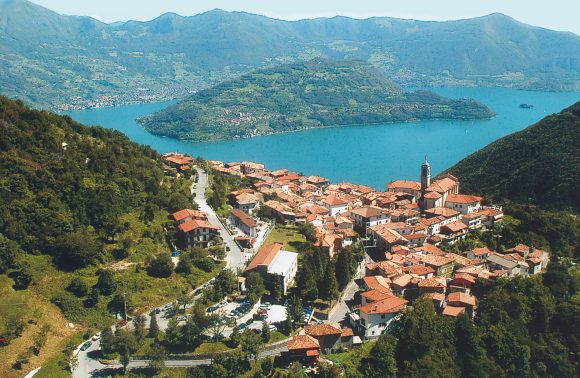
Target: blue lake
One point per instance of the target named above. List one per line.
(366, 154)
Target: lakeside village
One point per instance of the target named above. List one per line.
(406, 233)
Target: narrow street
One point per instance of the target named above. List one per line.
(236, 259)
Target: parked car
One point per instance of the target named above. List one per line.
(95, 338)
(86, 346)
(122, 323)
(272, 327)
(242, 326)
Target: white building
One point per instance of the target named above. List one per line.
(375, 317)
(334, 205)
(463, 203)
(368, 216)
(272, 259)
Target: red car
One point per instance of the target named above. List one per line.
(122, 323)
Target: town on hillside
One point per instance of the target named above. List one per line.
(407, 234)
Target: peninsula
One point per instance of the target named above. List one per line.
(299, 96)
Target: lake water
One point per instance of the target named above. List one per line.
(368, 154)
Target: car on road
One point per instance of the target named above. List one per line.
(95, 338)
(272, 327)
(86, 346)
(242, 326)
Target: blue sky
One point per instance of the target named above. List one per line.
(552, 14)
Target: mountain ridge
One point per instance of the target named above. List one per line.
(51, 60)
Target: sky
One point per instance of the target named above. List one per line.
(553, 14)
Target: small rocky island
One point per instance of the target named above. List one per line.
(299, 96)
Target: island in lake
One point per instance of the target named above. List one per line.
(313, 94)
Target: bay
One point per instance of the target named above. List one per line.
(363, 154)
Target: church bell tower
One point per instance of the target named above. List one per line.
(425, 180)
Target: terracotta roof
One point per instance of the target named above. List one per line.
(246, 198)
(312, 352)
(404, 184)
(442, 211)
(434, 260)
(369, 211)
(432, 282)
(462, 198)
(186, 213)
(334, 201)
(433, 195)
(459, 297)
(303, 342)
(464, 276)
(415, 236)
(390, 305)
(346, 332)
(375, 295)
(317, 179)
(387, 234)
(419, 270)
(322, 329)
(430, 249)
(455, 226)
(481, 251)
(195, 224)
(244, 218)
(265, 255)
(379, 283)
(442, 185)
(453, 311)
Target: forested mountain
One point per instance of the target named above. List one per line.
(317, 93)
(50, 59)
(82, 211)
(538, 165)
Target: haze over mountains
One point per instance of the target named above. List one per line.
(50, 59)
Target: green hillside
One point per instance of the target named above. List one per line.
(82, 211)
(317, 93)
(50, 59)
(538, 165)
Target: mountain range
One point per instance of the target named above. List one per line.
(298, 96)
(55, 60)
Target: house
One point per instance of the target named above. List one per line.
(453, 311)
(473, 221)
(496, 262)
(246, 202)
(197, 232)
(463, 280)
(335, 205)
(462, 300)
(454, 232)
(463, 203)
(304, 348)
(479, 253)
(405, 186)
(179, 161)
(273, 260)
(248, 167)
(331, 337)
(317, 181)
(492, 217)
(330, 243)
(442, 265)
(368, 216)
(375, 317)
(243, 222)
(385, 237)
(187, 215)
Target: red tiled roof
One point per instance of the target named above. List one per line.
(404, 184)
(265, 255)
(390, 305)
(442, 211)
(322, 330)
(462, 198)
(195, 224)
(186, 213)
(453, 311)
(459, 297)
(455, 226)
(303, 342)
(244, 218)
(334, 201)
(368, 211)
(375, 295)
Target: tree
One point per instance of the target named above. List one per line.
(183, 300)
(294, 311)
(106, 283)
(343, 268)
(235, 337)
(92, 299)
(255, 287)
(250, 343)
(225, 283)
(472, 354)
(172, 332)
(107, 341)
(153, 326)
(22, 278)
(78, 287)
(217, 325)
(161, 266)
(329, 289)
(381, 361)
(157, 358)
(295, 370)
(9, 249)
(139, 327)
(124, 358)
(126, 344)
(76, 250)
(265, 332)
(309, 231)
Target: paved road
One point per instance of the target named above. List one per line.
(340, 309)
(236, 258)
